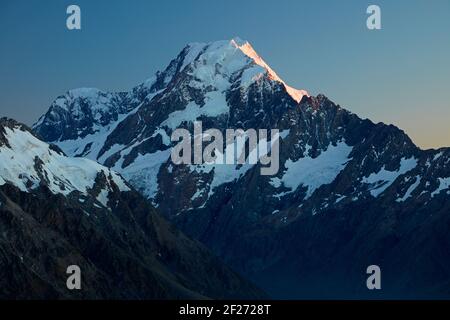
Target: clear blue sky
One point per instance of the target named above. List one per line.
(399, 75)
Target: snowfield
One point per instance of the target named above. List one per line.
(381, 180)
(314, 172)
(21, 160)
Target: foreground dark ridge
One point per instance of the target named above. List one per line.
(50, 220)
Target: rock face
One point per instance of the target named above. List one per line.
(57, 211)
(349, 193)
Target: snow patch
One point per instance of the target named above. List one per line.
(143, 172)
(314, 172)
(411, 188)
(102, 197)
(438, 155)
(444, 183)
(215, 105)
(194, 51)
(381, 180)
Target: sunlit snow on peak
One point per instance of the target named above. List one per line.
(248, 50)
(232, 56)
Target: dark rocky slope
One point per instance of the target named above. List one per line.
(124, 248)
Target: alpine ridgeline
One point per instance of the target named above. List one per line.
(349, 193)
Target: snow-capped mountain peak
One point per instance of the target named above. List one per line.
(231, 56)
(248, 50)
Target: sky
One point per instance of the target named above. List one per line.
(397, 75)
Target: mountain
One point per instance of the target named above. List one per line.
(90, 123)
(57, 211)
(349, 193)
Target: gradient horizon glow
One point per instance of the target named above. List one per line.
(398, 75)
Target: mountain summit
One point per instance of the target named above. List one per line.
(232, 57)
(248, 50)
(219, 64)
(349, 192)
